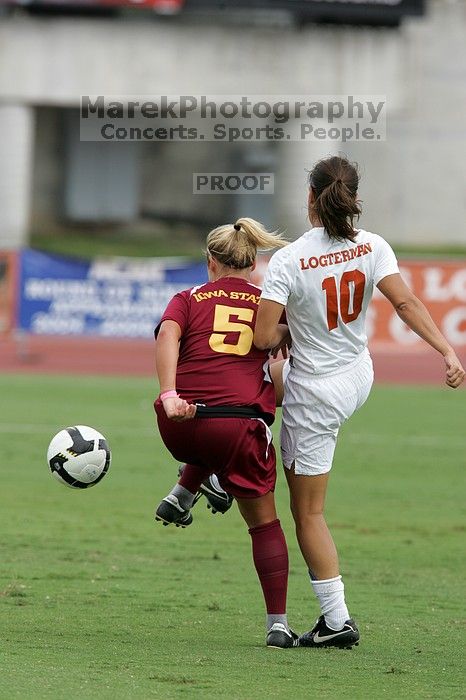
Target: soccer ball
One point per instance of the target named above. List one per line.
(79, 457)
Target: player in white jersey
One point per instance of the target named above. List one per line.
(325, 280)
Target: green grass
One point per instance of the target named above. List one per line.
(157, 241)
(99, 601)
(162, 240)
(437, 252)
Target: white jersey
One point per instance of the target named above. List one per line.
(326, 286)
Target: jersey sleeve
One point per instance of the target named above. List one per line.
(177, 310)
(277, 284)
(385, 261)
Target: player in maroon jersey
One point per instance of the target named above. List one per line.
(217, 402)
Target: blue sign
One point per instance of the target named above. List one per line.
(112, 297)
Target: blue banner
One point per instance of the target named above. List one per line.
(112, 297)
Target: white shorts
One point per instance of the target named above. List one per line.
(315, 407)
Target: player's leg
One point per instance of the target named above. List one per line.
(270, 556)
(250, 474)
(307, 500)
(218, 500)
(335, 626)
(206, 484)
(194, 481)
(175, 507)
(312, 417)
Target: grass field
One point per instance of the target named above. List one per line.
(99, 601)
(159, 240)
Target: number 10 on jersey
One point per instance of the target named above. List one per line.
(347, 304)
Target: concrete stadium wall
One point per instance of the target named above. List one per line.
(413, 184)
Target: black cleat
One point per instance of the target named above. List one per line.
(217, 499)
(279, 637)
(169, 511)
(323, 636)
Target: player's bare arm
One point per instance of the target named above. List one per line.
(269, 332)
(166, 359)
(413, 312)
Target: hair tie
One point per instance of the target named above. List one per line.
(237, 227)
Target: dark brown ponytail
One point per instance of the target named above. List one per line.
(334, 182)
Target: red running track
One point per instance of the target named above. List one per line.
(58, 355)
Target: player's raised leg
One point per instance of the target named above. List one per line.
(197, 482)
(218, 500)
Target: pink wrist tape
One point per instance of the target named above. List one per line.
(169, 395)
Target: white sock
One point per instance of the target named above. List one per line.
(331, 595)
(185, 497)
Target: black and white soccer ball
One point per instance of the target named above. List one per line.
(79, 457)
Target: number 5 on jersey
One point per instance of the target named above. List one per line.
(223, 325)
(348, 304)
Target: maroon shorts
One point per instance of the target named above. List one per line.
(238, 450)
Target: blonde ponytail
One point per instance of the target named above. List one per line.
(236, 245)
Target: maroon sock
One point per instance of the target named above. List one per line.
(270, 555)
(193, 476)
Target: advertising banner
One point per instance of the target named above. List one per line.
(108, 298)
(442, 288)
(125, 297)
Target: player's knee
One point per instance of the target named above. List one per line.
(307, 517)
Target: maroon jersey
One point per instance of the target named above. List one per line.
(218, 364)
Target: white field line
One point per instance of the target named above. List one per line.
(355, 438)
